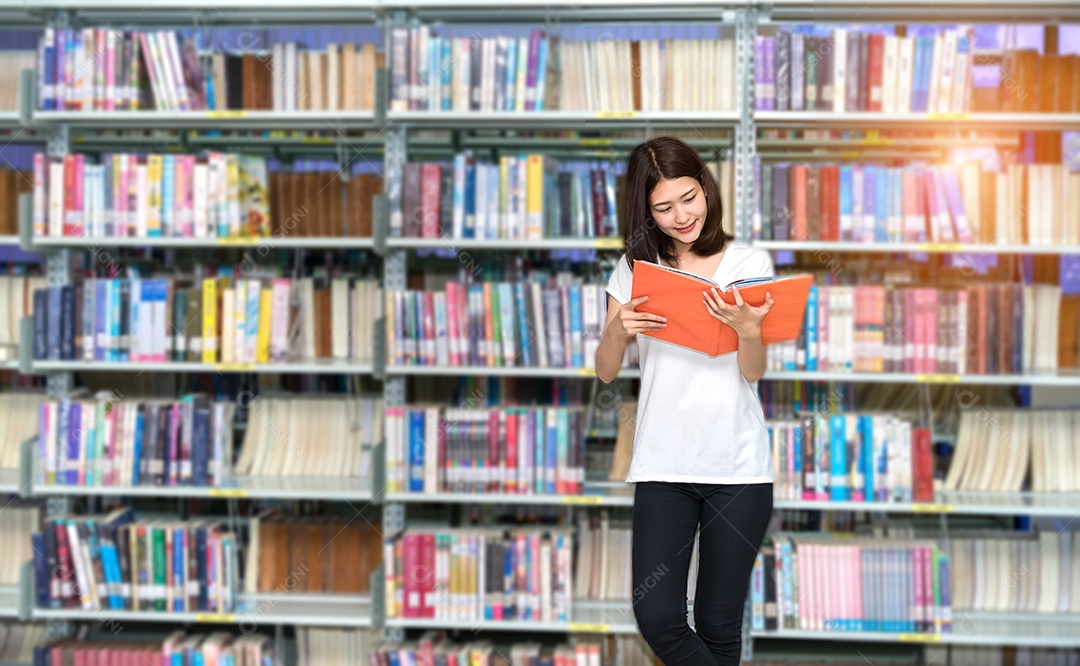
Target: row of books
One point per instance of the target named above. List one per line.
(12, 64)
(221, 195)
(1032, 204)
(1020, 572)
(556, 324)
(17, 519)
(324, 437)
(222, 320)
(16, 302)
(602, 564)
(18, 423)
(857, 71)
(879, 585)
(515, 450)
(113, 442)
(114, 562)
(928, 330)
(520, 197)
(103, 69)
(435, 648)
(312, 554)
(543, 72)
(218, 648)
(18, 641)
(852, 457)
(151, 196)
(1016, 449)
(472, 575)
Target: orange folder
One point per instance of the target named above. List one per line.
(677, 295)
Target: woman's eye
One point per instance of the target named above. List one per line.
(664, 211)
(690, 199)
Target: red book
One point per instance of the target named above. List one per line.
(69, 195)
(510, 480)
(494, 443)
(875, 57)
(798, 202)
(922, 458)
(427, 576)
(430, 193)
(411, 576)
(830, 203)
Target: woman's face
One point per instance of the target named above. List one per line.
(678, 206)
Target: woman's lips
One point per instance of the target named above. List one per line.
(686, 229)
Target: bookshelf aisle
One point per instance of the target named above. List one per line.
(457, 168)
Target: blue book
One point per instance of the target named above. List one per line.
(552, 454)
(945, 592)
(812, 329)
(577, 355)
(846, 203)
(881, 231)
(140, 430)
(866, 438)
(416, 450)
(53, 327)
(447, 75)
(178, 568)
(41, 569)
(541, 73)
(74, 432)
(114, 322)
(200, 447)
(168, 200)
(839, 488)
(511, 75)
(470, 198)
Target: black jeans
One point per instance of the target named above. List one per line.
(733, 521)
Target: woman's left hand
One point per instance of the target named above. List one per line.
(744, 318)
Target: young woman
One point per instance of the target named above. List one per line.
(701, 451)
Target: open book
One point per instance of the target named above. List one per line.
(676, 294)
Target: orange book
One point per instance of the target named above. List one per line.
(676, 295)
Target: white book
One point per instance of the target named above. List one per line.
(333, 77)
(840, 74)
(200, 199)
(889, 74)
(947, 62)
(904, 82)
(339, 314)
(480, 203)
(56, 198)
(292, 75)
(278, 83)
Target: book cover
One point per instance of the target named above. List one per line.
(677, 295)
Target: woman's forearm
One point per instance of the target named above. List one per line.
(751, 357)
(609, 355)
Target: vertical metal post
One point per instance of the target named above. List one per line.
(394, 268)
(58, 274)
(745, 29)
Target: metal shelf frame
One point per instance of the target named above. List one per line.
(395, 144)
(934, 248)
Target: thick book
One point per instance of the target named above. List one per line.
(676, 295)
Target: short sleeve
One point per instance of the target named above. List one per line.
(621, 281)
(765, 263)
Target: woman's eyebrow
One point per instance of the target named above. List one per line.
(660, 203)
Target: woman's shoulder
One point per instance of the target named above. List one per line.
(740, 252)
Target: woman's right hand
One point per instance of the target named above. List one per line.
(628, 322)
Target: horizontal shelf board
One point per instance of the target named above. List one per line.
(271, 243)
(9, 240)
(904, 378)
(323, 488)
(10, 120)
(486, 120)
(308, 610)
(327, 367)
(1027, 121)
(495, 371)
(506, 244)
(314, 120)
(949, 502)
(977, 631)
(9, 481)
(854, 246)
(956, 502)
(9, 364)
(592, 497)
(9, 601)
(603, 617)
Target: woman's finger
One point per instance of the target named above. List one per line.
(738, 297)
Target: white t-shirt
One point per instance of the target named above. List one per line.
(698, 419)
